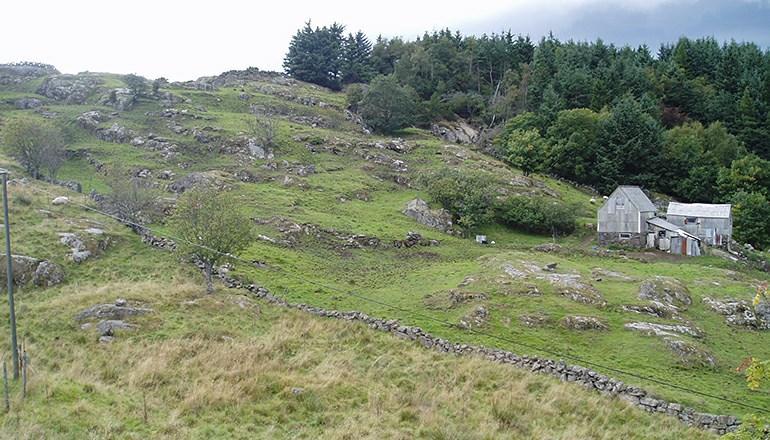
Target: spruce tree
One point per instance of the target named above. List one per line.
(357, 59)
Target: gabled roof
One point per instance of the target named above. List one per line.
(659, 222)
(699, 210)
(636, 196)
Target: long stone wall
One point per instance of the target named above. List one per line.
(719, 424)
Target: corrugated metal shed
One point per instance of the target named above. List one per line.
(636, 196)
(705, 210)
(659, 222)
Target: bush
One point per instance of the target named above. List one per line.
(751, 218)
(539, 216)
(354, 94)
(466, 196)
(526, 150)
(387, 106)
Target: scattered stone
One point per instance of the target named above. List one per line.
(190, 181)
(61, 200)
(117, 134)
(304, 171)
(652, 329)
(106, 339)
(535, 320)
(550, 267)
(297, 391)
(667, 291)
(80, 256)
(604, 274)
(477, 318)
(547, 247)
(419, 210)
(583, 323)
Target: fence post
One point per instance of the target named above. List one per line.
(6, 397)
(25, 361)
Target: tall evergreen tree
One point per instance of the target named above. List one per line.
(357, 59)
(315, 55)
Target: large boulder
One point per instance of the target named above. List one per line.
(689, 354)
(653, 329)
(116, 133)
(29, 269)
(666, 290)
(48, 274)
(190, 181)
(71, 89)
(90, 120)
(419, 210)
(24, 268)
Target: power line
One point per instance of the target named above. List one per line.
(415, 313)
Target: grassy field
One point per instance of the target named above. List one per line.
(355, 194)
(227, 366)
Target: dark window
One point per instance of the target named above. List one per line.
(690, 220)
(625, 236)
(620, 202)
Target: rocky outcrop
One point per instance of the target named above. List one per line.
(535, 320)
(90, 120)
(689, 354)
(116, 133)
(48, 274)
(192, 180)
(27, 103)
(121, 99)
(669, 291)
(583, 323)
(27, 270)
(70, 89)
(17, 73)
(652, 329)
(85, 245)
(741, 313)
(419, 210)
(459, 132)
(119, 310)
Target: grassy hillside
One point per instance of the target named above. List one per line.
(360, 185)
(228, 366)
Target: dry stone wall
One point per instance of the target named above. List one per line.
(590, 379)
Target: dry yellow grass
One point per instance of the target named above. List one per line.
(225, 366)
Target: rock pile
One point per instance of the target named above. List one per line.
(17, 73)
(583, 323)
(459, 132)
(83, 246)
(111, 317)
(71, 89)
(665, 290)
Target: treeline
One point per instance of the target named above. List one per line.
(692, 121)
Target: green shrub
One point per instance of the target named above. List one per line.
(388, 106)
(466, 195)
(539, 216)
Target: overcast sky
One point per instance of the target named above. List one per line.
(187, 39)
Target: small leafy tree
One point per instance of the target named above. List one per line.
(388, 106)
(751, 212)
(136, 83)
(36, 145)
(131, 200)
(527, 150)
(157, 84)
(210, 227)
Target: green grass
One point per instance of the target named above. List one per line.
(405, 277)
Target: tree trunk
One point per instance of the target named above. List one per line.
(207, 270)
